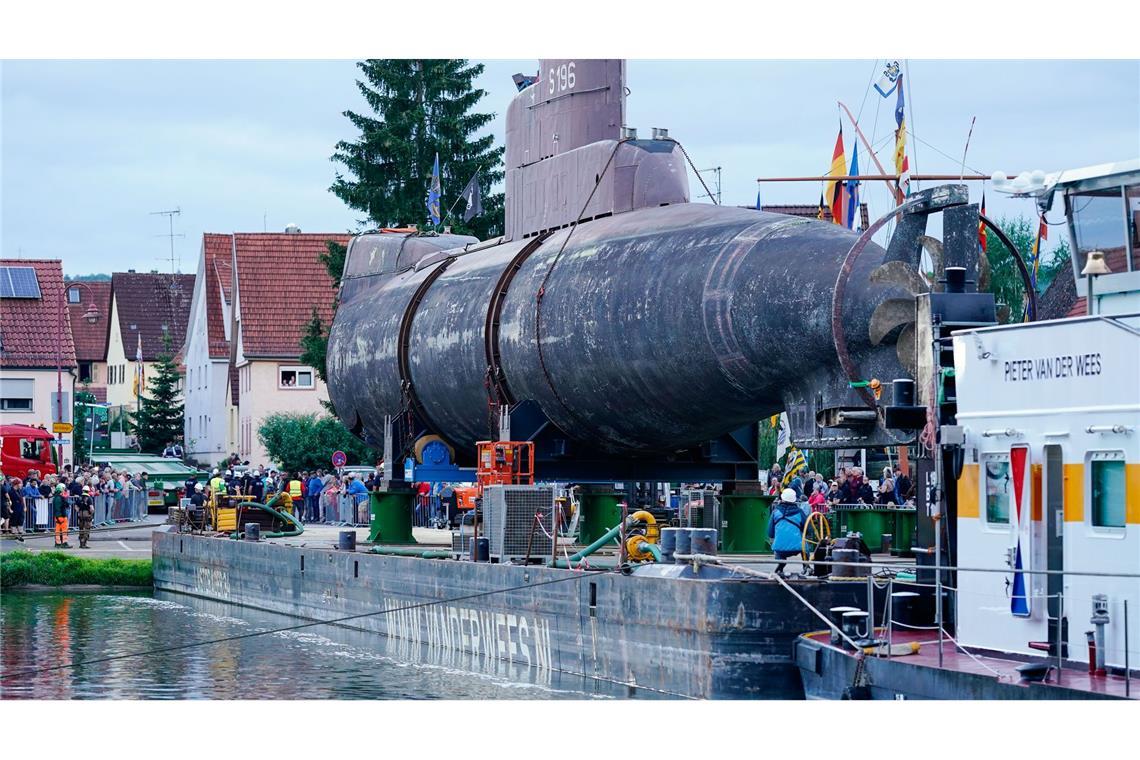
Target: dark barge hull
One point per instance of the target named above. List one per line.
(651, 635)
(828, 673)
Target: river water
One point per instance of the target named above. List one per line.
(44, 630)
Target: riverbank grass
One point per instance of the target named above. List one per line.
(22, 568)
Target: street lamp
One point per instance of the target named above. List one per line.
(92, 316)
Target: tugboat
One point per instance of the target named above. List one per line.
(1042, 490)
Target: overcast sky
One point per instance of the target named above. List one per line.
(89, 149)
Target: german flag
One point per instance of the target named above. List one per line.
(833, 191)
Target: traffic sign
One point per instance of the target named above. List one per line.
(339, 459)
(61, 427)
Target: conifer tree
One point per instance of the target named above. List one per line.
(419, 108)
(160, 420)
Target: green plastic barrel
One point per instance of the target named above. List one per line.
(600, 512)
(872, 522)
(391, 517)
(904, 532)
(745, 518)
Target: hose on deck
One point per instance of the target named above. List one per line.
(297, 529)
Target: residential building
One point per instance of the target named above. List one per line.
(211, 411)
(89, 311)
(144, 308)
(279, 280)
(37, 351)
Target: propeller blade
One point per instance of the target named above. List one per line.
(902, 274)
(983, 272)
(933, 248)
(904, 349)
(888, 316)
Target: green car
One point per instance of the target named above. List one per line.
(165, 476)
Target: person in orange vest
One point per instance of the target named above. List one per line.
(61, 508)
(296, 492)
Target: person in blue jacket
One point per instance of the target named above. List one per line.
(785, 528)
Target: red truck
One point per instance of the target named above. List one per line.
(23, 448)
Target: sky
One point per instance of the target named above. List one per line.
(89, 150)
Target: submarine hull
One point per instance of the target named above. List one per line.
(644, 332)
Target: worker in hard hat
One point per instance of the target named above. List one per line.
(61, 509)
(786, 528)
(197, 507)
(85, 515)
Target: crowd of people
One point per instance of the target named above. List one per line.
(70, 492)
(301, 493)
(849, 486)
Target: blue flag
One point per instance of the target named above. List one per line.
(853, 190)
(434, 193)
(757, 196)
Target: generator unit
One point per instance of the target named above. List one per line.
(518, 517)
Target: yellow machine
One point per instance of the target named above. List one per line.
(223, 510)
(637, 544)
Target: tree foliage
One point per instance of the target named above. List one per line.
(419, 107)
(306, 441)
(1005, 278)
(160, 420)
(315, 345)
(79, 432)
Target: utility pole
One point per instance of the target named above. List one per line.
(716, 171)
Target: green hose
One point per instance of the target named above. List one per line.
(297, 530)
(608, 536)
(654, 550)
(403, 551)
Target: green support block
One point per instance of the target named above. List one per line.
(391, 516)
(600, 512)
(745, 518)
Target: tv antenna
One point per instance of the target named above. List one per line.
(176, 211)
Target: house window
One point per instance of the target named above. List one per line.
(16, 395)
(85, 372)
(294, 377)
(998, 485)
(1106, 471)
(73, 295)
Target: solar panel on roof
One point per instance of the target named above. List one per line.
(19, 282)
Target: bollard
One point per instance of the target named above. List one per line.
(347, 541)
(668, 543)
(683, 546)
(253, 531)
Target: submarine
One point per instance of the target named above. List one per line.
(616, 320)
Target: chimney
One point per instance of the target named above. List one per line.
(292, 229)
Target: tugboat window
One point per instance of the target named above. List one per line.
(998, 485)
(1099, 224)
(1107, 478)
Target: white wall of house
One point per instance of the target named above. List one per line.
(207, 429)
(19, 385)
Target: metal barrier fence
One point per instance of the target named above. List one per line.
(109, 509)
(344, 509)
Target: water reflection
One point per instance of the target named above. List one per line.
(42, 630)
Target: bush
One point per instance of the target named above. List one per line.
(23, 568)
(306, 441)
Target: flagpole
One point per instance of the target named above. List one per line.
(895, 190)
(457, 199)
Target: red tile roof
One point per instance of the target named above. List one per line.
(98, 391)
(280, 280)
(1116, 261)
(218, 252)
(148, 302)
(34, 330)
(812, 212)
(91, 338)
